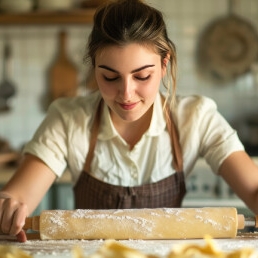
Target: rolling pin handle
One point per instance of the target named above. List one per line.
(247, 222)
(32, 223)
(256, 221)
(241, 221)
(28, 224)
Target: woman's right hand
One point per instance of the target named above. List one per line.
(22, 194)
(12, 216)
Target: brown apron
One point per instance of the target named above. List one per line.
(91, 193)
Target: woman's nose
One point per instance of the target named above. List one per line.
(126, 89)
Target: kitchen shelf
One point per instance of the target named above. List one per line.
(76, 16)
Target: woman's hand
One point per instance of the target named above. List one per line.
(22, 194)
(12, 216)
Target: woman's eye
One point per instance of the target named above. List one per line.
(142, 78)
(110, 79)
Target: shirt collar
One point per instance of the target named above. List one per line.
(157, 125)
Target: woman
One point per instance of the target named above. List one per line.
(125, 144)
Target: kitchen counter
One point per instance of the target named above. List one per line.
(62, 248)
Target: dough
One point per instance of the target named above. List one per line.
(114, 249)
(9, 251)
(209, 250)
(162, 223)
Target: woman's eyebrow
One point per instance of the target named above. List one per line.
(141, 68)
(133, 71)
(107, 68)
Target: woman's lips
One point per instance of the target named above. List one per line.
(128, 106)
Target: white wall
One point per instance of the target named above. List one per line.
(34, 48)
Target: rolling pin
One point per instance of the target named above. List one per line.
(161, 223)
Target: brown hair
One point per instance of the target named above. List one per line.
(132, 21)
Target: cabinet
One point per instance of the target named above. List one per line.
(76, 16)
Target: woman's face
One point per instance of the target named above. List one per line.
(128, 78)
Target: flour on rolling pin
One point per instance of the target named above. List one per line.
(162, 223)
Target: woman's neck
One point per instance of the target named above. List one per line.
(132, 132)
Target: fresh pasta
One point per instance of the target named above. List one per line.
(9, 251)
(114, 249)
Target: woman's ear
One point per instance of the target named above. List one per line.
(165, 62)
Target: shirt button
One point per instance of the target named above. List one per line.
(134, 173)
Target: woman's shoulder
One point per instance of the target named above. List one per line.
(193, 108)
(197, 101)
(194, 104)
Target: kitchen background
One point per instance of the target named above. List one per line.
(33, 50)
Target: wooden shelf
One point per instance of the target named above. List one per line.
(77, 16)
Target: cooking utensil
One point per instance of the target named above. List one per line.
(63, 73)
(227, 47)
(161, 223)
(7, 88)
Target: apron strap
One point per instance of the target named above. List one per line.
(172, 130)
(177, 162)
(94, 136)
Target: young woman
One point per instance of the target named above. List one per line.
(126, 144)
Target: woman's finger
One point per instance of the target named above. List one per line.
(21, 236)
(19, 217)
(13, 216)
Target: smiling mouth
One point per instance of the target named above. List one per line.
(128, 106)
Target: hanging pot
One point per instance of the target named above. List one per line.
(227, 48)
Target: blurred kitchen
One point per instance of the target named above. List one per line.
(217, 46)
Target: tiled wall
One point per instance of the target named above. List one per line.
(34, 48)
(33, 51)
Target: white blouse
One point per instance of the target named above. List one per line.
(62, 140)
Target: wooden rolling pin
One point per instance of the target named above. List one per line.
(161, 223)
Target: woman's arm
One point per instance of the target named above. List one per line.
(241, 174)
(21, 195)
